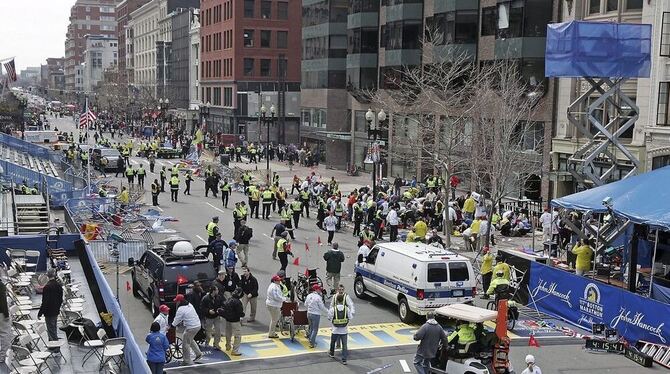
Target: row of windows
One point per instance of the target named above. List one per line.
(457, 27)
(265, 66)
(363, 40)
(323, 79)
(250, 10)
(362, 6)
(213, 95)
(515, 19)
(324, 12)
(334, 46)
(217, 14)
(404, 34)
(266, 39)
(217, 68)
(606, 6)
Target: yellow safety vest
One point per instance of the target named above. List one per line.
(267, 195)
(174, 183)
(225, 187)
(129, 172)
(280, 245)
(304, 195)
(141, 171)
(296, 206)
(255, 195)
(210, 228)
(340, 317)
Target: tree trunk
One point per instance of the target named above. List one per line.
(487, 235)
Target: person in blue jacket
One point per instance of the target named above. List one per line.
(158, 344)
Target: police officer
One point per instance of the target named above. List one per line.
(498, 281)
(152, 161)
(246, 180)
(225, 192)
(304, 196)
(174, 171)
(141, 172)
(285, 219)
(130, 174)
(163, 176)
(239, 215)
(174, 188)
(189, 179)
(283, 250)
(358, 217)
(268, 198)
(296, 208)
(212, 229)
(155, 190)
(366, 234)
(254, 200)
(84, 159)
(126, 155)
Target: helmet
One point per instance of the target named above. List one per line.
(164, 309)
(232, 243)
(530, 359)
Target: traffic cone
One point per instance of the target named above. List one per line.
(532, 342)
(296, 262)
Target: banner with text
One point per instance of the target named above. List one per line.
(584, 301)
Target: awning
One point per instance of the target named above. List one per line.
(644, 199)
(337, 135)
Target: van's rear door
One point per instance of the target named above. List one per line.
(461, 280)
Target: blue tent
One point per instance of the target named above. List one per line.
(644, 199)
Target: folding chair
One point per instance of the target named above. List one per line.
(24, 358)
(16, 367)
(113, 351)
(94, 345)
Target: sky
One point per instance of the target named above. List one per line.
(32, 30)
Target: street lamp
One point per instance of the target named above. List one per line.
(267, 121)
(374, 130)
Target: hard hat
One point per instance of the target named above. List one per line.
(530, 359)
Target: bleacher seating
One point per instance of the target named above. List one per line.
(26, 160)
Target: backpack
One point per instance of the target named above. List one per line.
(227, 311)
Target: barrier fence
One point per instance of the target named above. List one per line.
(129, 249)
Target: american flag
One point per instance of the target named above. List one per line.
(87, 118)
(11, 70)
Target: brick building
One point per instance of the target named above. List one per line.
(250, 53)
(87, 17)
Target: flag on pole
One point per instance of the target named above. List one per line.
(11, 69)
(87, 118)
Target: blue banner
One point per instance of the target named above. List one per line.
(30, 148)
(584, 301)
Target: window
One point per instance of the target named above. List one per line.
(489, 17)
(248, 66)
(363, 40)
(510, 19)
(266, 35)
(228, 96)
(282, 63)
(662, 110)
(217, 96)
(633, 4)
(249, 8)
(282, 39)
(537, 15)
(437, 272)
(659, 162)
(248, 38)
(465, 29)
(612, 5)
(594, 6)
(458, 272)
(282, 10)
(665, 35)
(265, 67)
(266, 9)
(338, 13)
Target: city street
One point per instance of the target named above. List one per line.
(376, 333)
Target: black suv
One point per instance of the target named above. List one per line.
(159, 276)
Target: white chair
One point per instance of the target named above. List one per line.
(27, 342)
(26, 334)
(15, 367)
(18, 314)
(23, 358)
(41, 330)
(113, 351)
(31, 261)
(94, 345)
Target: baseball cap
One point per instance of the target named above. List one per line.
(276, 278)
(179, 298)
(164, 309)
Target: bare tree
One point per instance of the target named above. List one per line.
(504, 145)
(431, 108)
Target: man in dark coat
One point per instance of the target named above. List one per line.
(52, 299)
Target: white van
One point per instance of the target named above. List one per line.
(415, 276)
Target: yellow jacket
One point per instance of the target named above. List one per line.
(504, 267)
(584, 253)
(474, 227)
(487, 263)
(124, 197)
(469, 205)
(420, 229)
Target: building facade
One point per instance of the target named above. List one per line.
(181, 63)
(87, 17)
(194, 69)
(141, 39)
(123, 11)
(250, 56)
(101, 54)
(649, 139)
(351, 48)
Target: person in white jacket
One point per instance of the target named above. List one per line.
(274, 301)
(162, 319)
(315, 307)
(187, 316)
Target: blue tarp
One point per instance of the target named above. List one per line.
(598, 49)
(644, 199)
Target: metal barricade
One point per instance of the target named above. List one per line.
(131, 248)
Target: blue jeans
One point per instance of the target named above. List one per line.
(343, 340)
(313, 327)
(421, 364)
(156, 367)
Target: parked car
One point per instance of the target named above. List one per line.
(110, 154)
(169, 269)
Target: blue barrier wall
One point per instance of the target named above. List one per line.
(35, 242)
(584, 301)
(30, 148)
(59, 190)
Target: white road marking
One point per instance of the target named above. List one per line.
(133, 162)
(405, 367)
(157, 207)
(215, 208)
(203, 240)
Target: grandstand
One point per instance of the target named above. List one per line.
(29, 161)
